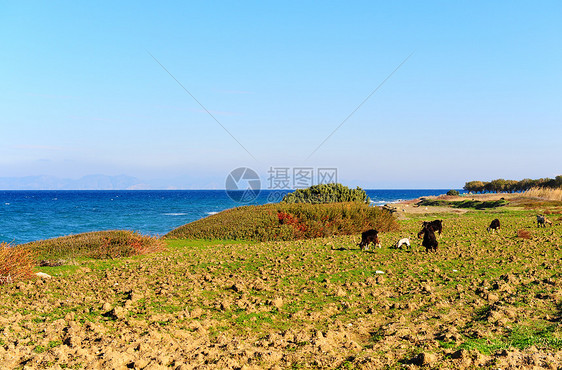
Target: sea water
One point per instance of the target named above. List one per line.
(34, 215)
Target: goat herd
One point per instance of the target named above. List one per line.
(429, 228)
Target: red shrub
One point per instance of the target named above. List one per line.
(126, 243)
(16, 264)
(523, 234)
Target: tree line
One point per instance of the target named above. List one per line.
(511, 186)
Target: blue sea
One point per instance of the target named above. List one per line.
(34, 215)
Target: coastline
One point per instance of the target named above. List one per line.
(405, 209)
(37, 215)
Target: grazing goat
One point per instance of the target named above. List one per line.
(370, 237)
(435, 225)
(401, 242)
(542, 221)
(429, 239)
(494, 226)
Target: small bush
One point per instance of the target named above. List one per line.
(287, 222)
(453, 192)
(326, 193)
(99, 244)
(16, 264)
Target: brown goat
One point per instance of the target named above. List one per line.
(369, 237)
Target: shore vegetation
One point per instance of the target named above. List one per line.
(281, 221)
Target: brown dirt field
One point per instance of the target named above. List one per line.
(482, 300)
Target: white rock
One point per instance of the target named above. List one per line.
(43, 275)
(379, 272)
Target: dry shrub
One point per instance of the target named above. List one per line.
(99, 244)
(544, 193)
(523, 234)
(124, 244)
(16, 263)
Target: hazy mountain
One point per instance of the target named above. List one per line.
(90, 182)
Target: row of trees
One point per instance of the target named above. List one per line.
(510, 186)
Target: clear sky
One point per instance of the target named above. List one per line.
(479, 98)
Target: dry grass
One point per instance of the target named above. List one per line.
(99, 245)
(16, 264)
(544, 193)
(523, 234)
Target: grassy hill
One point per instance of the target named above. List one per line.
(287, 222)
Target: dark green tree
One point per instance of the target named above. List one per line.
(326, 193)
(474, 186)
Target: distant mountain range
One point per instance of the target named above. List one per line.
(90, 182)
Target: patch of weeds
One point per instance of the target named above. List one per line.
(39, 349)
(410, 354)
(178, 244)
(447, 345)
(63, 270)
(25, 311)
(60, 312)
(482, 313)
(524, 337)
(347, 364)
(484, 345)
(209, 294)
(377, 335)
(90, 316)
(163, 308)
(253, 319)
(215, 331)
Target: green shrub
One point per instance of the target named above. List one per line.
(326, 193)
(283, 221)
(99, 244)
(453, 192)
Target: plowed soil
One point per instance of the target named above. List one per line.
(482, 300)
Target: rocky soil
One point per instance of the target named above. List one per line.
(483, 300)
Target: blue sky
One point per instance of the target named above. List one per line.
(479, 98)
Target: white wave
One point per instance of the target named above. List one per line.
(175, 214)
(383, 202)
(211, 213)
